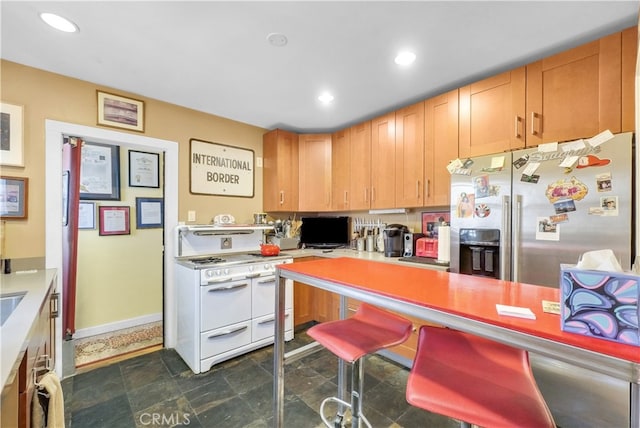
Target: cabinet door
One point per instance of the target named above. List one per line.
(492, 114)
(303, 299)
(360, 164)
(629, 58)
(441, 146)
(315, 172)
(576, 93)
(383, 161)
(340, 168)
(410, 156)
(280, 171)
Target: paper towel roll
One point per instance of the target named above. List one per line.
(444, 242)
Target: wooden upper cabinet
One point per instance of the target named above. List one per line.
(360, 164)
(629, 59)
(280, 171)
(492, 114)
(441, 146)
(383, 161)
(340, 170)
(315, 172)
(410, 156)
(576, 93)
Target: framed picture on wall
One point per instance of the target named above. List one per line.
(114, 220)
(87, 215)
(144, 169)
(149, 213)
(14, 194)
(120, 112)
(11, 135)
(100, 172)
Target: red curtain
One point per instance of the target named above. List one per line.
(71, 152)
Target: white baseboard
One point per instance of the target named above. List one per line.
(118, 325)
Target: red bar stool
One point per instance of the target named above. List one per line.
(475, 380)
(369, 330)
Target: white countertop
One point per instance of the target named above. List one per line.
(14, 334)
(364, 255)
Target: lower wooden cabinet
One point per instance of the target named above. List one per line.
(18, 396)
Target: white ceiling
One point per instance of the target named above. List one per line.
(214, 56)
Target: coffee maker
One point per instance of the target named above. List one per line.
(394, 240)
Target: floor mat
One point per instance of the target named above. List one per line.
(95, 348)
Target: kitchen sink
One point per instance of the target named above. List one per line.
(8, 303)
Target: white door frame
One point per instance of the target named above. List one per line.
(54, 135)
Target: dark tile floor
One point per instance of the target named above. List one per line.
(159, 390)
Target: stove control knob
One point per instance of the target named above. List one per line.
(251, 268)
(267, 267)
(218, 272)
(226, 271)
(208, 273)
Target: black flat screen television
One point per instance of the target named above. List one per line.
(324, 232)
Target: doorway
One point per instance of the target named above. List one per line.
(55, 132)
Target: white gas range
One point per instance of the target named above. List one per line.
(226, 293)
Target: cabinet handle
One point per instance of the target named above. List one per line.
(229, 287)
(534, 115)
(55, 298)
(346, 198)
(418, 188)
(517, 126)
(428, 187)
(373, 194)
(281, 197)
(227, 332)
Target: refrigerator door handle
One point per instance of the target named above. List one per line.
(504, 238)
(516, 237)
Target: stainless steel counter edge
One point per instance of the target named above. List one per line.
(14, 334)
(363, 255)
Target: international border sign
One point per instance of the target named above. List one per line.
(218, 169)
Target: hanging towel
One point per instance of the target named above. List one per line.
(48, 403)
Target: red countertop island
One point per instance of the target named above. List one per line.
(470, 297)
(468, 303)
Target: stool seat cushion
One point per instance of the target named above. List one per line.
(368, 331)
(475, 380)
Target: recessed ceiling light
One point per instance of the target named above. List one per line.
(326, 98)
(58, 22)
(405, 58)
(277, 39)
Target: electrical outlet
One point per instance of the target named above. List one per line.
(191, 216)
(225, 244)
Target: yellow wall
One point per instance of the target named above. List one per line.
(111, 286)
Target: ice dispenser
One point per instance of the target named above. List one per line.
(480, 252)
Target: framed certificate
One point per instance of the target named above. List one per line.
(114, 221)
(144, 169)
(149, 213)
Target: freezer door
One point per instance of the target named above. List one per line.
(563, 212)
(480, 199)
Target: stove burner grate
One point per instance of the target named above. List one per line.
(207, 260)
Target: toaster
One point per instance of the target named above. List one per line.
(427, 247)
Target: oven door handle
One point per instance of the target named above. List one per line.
(270, 320)
(253, 275)
(229, 287)
(267, 281)
(227, 332)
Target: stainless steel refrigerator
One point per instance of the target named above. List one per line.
(519, 215)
